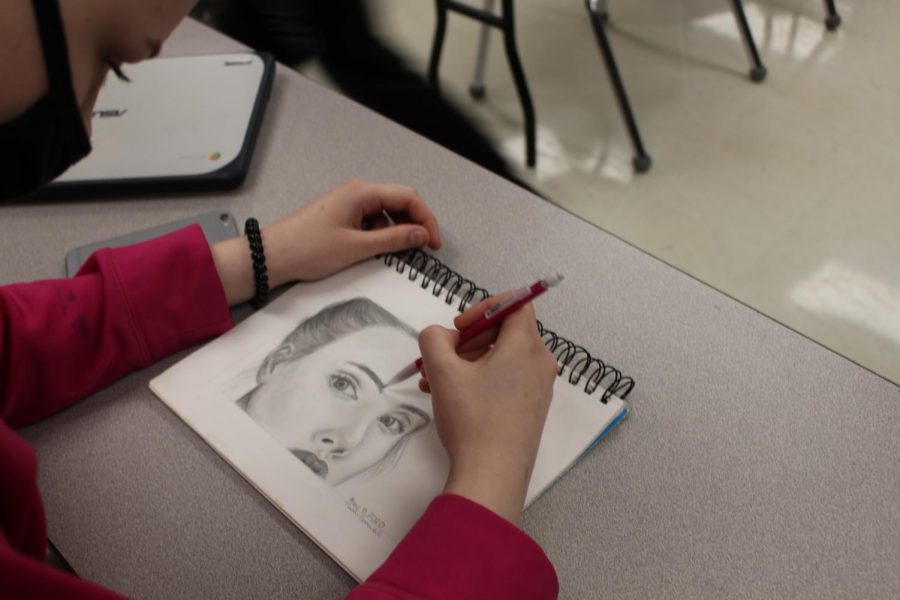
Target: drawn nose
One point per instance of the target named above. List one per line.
(336, 441)
(328, 443)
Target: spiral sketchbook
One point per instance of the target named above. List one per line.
(293, 399)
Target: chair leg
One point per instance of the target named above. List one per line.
(833, 20)
(512, 56)
(437, 44)
(476, 89)
(757, 69)
(601, 9)
(641, 160)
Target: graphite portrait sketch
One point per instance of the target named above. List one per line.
(321, 391)
(294, 399)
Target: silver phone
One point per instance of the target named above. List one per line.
(218, 225)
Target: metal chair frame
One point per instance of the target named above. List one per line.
(506, 24)
(599, 15)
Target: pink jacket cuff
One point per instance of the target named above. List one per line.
(460, 549)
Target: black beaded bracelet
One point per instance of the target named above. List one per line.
(260, 275)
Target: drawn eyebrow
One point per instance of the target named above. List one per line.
(370, 373)
(414, 409)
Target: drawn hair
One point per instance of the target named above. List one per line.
(329, 324)
(332, 323)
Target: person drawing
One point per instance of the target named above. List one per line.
(62, 340)
(321, 392)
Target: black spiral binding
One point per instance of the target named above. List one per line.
(444, 281)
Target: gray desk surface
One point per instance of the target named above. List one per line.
(756, 464)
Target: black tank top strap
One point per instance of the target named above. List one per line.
(53, 42)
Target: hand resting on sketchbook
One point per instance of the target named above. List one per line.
(490, 397)
(63, 340)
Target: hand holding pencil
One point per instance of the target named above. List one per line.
(490, 397)
(485, 316)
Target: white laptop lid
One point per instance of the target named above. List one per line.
(184, 122)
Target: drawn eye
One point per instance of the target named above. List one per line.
(343, 385)
(395, 424)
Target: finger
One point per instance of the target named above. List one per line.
(378, 221)
(438, 347)
(423, 386)
(518, 329)
(474, 313)
(399, 219)
(481, 341)
(400, 200)
(475, 355)
(392, 239)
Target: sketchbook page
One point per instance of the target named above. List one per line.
(574, 423)
(293, 399)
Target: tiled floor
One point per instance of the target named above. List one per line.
(785, 194)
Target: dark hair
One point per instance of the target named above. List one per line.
(329, 324)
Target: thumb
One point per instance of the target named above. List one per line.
(395, 238)
(438, 346)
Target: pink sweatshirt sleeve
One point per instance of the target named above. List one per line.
(62, 339)
(24, 578)
(460, 549)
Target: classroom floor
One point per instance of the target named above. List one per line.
(784, 195)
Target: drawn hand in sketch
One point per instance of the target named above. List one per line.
(321, 392)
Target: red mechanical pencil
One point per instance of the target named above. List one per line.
(492, 316)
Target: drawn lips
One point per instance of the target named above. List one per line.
(318, 466)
